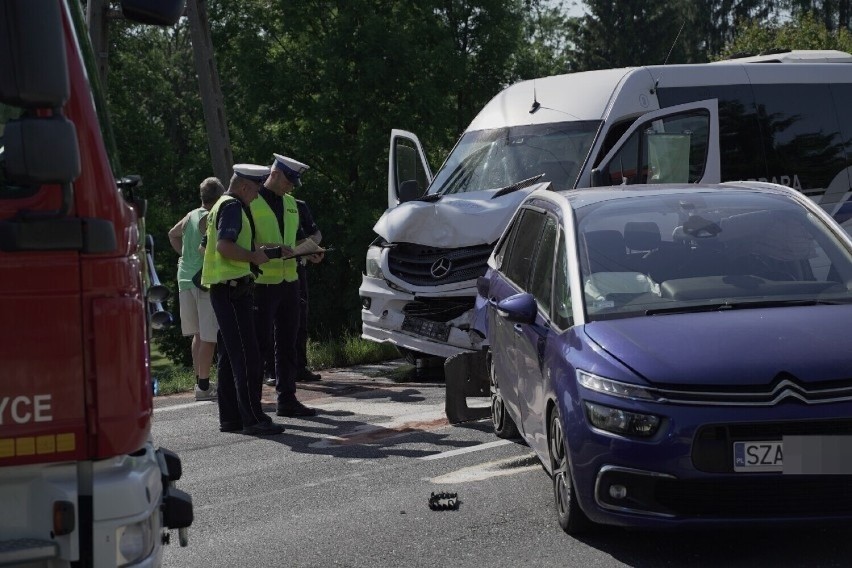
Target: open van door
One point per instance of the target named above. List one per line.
(408, 171)
(678, 144)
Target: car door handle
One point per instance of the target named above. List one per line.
(492, 301)
(518, 329)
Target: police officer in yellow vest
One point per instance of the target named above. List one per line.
(231, 262)
(277, 299)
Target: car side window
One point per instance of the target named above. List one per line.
(519, 257)
(506, 243)
(541, 279)
(561, 314)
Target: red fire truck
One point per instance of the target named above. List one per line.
(81, 483)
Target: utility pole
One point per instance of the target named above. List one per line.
(210, 90)
(96, 20)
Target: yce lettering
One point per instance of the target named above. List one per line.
(23, 409)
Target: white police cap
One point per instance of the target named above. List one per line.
(293, 169)
(252, 172)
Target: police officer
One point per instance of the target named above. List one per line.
(283, 308)
(308, 229)
(229, 269)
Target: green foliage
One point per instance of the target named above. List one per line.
(804, 32)
(325, 82)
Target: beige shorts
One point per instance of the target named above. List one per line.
(196, 315)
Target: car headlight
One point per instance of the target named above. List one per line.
(620, 421)
(374, 263)
(614, 388)
(134, 542)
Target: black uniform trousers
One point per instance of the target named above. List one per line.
(239, 369)
(302, 334)
(286, 325)
(267, 300)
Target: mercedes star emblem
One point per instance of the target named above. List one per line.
(440, 268)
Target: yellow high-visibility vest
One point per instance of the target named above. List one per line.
(216, 267)
(267, 232)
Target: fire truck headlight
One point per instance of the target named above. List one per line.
(374, 263)
(134, 542)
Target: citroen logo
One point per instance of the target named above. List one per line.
(441, 268)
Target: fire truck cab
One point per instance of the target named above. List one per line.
(81, 482)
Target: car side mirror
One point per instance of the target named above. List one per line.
(520, 308)
(409, 190)
(596, 178)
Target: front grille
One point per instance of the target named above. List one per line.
(416, 264)
(782, 496)
(713, 447)
(438, 309)
(784, 387)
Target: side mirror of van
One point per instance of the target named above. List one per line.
(41, 151)
(156, 12)
(409, 190)
(32, 62)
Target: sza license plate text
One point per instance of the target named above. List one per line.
(758, 456)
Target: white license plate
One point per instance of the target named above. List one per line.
(758, 456)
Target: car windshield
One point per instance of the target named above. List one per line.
(491, 159)
(725, 249)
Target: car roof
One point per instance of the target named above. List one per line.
(587, 196)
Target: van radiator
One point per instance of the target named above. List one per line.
(438, 309)
(420, 265)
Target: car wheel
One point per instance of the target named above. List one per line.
(571, 518)
(504, 426)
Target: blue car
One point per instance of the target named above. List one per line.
(676, 355)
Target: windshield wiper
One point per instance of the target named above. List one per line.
(430, 197)
(719, 307)
(516, 186)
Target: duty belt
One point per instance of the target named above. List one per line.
(242, 281)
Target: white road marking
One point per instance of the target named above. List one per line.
(459, 451)
(182, 406)
(479, 472)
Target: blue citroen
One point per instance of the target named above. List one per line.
(676, 355)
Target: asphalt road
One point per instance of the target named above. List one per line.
(350, 487)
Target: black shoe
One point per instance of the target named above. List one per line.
(263, 429)
(295, 409)
(306, 376)
(269, 381)
(265, 418)
(230, 426)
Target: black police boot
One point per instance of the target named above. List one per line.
(295, 409)
(263, 428)
(306, 376)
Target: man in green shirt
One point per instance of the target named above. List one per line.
(196, 313)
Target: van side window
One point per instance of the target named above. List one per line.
(740, 152)
(408, 165)
(672, 149)
(520, 255)
(615, 132)
(803, 143)
(541, 279)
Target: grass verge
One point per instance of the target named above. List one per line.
(349, 350)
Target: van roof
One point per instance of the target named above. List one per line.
(793, 56)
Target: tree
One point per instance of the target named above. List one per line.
(803, 32)
(626, 33)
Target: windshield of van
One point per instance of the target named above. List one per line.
(491, 159)
(677, 253)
